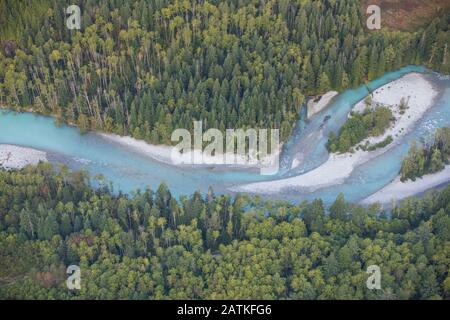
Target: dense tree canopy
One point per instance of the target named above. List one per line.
(152, 246)
(145, 68)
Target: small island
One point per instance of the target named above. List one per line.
(359, 127)
(428, 159)
(423, 168)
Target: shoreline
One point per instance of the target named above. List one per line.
(16, 157)
(164, 154)
(314, 107)
(421, 95)
(397, 190)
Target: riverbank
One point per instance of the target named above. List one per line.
(314, 107)
(398, 190)
(171, 156)
(15, 157)
(419, 94)
(159, 153)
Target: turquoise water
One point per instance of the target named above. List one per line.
(378, 172)
(310, 138)
(129, 170)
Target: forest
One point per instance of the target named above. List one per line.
(147, 67)
(149, 245)
(428, 159)
(144, 68)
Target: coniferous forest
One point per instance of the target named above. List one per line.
(151, 246)
(145, 68)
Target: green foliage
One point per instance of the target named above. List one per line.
(381, 144)
(429, 159)
(359, 126)
(145, 68)
(14, 15)
(151, 246)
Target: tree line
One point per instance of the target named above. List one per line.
(149, 245)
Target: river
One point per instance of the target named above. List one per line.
(129, 170)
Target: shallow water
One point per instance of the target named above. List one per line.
(379, 171)
(129, 170)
